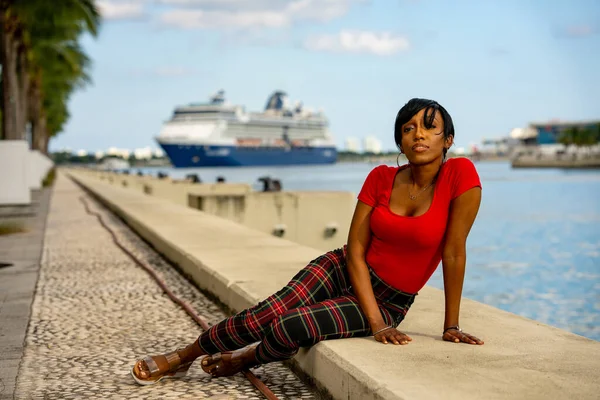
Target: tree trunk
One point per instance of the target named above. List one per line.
(39, 140)
(39, 131)
(23, 90)
(46, 140)
(10, 85)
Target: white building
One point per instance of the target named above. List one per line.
(460, 151)
(372, 145)
(352, 145)
(159, 153)
(113, 151)
(144, 153)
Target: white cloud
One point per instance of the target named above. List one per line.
(199, 19)
(238, 14)
(381, 44)
(227, 4)
(124, 9)
(319, 10)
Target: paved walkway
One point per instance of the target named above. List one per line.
(95, 312)
(21, 254)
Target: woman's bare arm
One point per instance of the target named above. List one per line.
(358, 242)
(463, 211)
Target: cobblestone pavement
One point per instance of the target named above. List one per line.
(95, 312)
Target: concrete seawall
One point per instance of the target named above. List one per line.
(315, 219)
(521, 359)
(556, 161)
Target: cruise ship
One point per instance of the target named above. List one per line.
(217, 133)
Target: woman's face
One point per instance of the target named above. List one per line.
(422, 145)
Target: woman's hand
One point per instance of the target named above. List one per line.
(458, 336)
(392, 335)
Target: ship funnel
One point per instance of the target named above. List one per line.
(218, 98)
(277, 101)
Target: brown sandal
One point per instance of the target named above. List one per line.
(176, 369)
(225, 368)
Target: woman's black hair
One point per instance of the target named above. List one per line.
(431, 108)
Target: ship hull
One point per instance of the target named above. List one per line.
(196, 156)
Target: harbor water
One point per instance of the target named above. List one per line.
(534, 249)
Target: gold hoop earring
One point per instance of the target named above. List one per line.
(398, 158)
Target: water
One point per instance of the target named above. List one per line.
(534, 249)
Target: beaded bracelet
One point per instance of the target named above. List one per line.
(381, 330)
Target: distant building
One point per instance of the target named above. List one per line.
(352, 145)
(549, 132)
(143, 153)
(158, 153)
(502, 146)
(372, 145)
(524, 135)
(113, 151)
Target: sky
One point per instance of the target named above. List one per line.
(494, 65)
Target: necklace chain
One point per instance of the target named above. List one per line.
(414, 197)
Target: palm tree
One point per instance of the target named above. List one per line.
(60, 67)
(64, 70)
(10, 28)
(48, 63)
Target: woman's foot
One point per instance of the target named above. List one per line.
(152, 369)
(229, 362)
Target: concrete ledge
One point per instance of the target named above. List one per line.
(14, 185)
(39, 166)
(319, 220)
(521, 359)
(533, 162)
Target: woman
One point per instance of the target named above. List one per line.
(407, 220)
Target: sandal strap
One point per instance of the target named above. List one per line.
(152, 366)
(174, 361)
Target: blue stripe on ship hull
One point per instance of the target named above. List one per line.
(191, 156)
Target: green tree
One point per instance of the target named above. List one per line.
(42, 63)
(580, 136)
(566, 136)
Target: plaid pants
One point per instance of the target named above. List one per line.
(317, 304)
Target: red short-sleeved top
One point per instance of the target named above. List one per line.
(405, 251)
